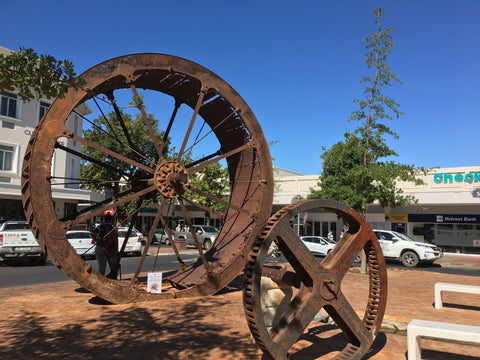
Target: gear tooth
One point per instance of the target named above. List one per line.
(376, 300)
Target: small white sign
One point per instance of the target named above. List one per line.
(154, 282)
(476, 243)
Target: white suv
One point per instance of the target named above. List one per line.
(318, 245)
(400, 247)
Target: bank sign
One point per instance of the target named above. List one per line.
(444, 218)
(447, 178)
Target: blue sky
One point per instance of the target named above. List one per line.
(296, 63)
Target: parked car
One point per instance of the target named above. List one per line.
(18, 243)
(206, 235)
(81, 241)
(318, 245)
(134, 244)
(143, 239)
(161, 236)
(399, 247)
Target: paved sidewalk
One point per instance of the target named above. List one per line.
(62, 321)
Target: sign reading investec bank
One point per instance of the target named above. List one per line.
(450, 178)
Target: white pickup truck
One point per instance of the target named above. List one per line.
(17, 243)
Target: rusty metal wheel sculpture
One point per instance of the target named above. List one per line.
(318, 283)
(206, 123)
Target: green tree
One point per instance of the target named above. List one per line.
(30, 74)
(213, 180)
(108, 132)
(357, 170)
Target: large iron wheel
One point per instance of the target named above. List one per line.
(317, 283)
(206, 123)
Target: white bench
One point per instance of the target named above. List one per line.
(439, 287)
(418, 328)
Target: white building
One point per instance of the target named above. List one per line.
(447, 212)
(17, 122)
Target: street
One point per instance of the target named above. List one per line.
(23, 274)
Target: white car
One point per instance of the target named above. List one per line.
(81, 241)
(399, 247)
(134, 244)
(318, 245)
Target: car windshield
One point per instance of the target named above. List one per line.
(403, 236)
(16, 226)
(210, 229)
(78, 235)
(123, 233)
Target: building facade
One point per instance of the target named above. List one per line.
(18, 119)
(447, 213)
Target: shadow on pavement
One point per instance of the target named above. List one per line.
(131, 333)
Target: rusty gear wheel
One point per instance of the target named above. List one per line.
(318, 283)
(192, 120)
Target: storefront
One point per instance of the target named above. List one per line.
(447, 212)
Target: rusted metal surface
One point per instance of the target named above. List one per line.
(160, 181)
(319, 282)
(156, 180)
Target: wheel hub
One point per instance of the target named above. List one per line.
(171, 179)
(329, 287)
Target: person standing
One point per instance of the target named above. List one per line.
(105, 238)
(330, 236)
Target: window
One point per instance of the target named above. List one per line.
(8, 105)
(6, 157)
(383, 235)
(43, 109)
(8, 125)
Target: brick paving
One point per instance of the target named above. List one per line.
(62, 321)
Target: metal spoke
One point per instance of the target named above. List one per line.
(347, 319)
(92, 160)
(149, 126)
(194, 235)
(293, 323)
(302, 260)
(110, 97)
(217, 159)
(115, 204)
(97, 204)
(113, 133)
(205, 208)
(113, 154)
(211, 130)
(151, 235)
(181, 264)
(190, 127)
(345, 252)
(218, 200)
(113, 272)
(170, 123)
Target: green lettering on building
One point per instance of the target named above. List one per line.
(450, 178)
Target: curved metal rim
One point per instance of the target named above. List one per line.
(359, 236)
(50, 232)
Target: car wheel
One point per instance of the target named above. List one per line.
(409, 259)
(40, 261)
(10, 262)
(206, 244)
(167, 241)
